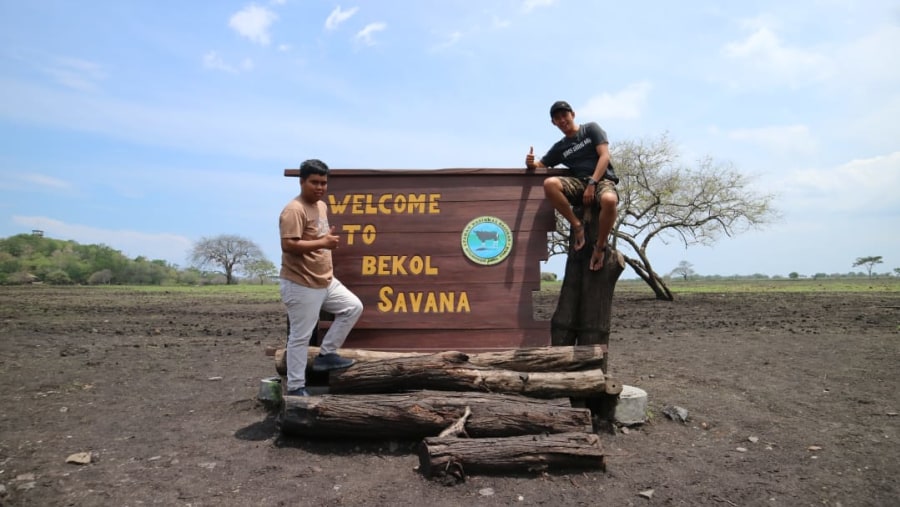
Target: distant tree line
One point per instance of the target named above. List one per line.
(28, 258)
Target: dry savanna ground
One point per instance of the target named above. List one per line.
(792, 400)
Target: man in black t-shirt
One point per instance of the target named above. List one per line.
(584, 149)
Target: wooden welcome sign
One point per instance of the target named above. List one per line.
(442, 259)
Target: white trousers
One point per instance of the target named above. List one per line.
(303, 305)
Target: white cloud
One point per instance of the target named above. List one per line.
(452, 40)
(365, 35)
(627, 104)
(253, 23)
(75, 73)
(170, 247)
(782, 139)
(859, 186)
(530, 5)
(42, 180)
(763, 59)
(338, 16)
(212, 60)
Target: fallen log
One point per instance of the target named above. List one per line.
(460, 456)
(524, 359)
(450, 371)
(427, 413)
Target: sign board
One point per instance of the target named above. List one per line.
(442, 259)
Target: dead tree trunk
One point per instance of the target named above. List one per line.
(584, 311)
(450, 371)
(524, 359)
(460, 456)
(426, 413)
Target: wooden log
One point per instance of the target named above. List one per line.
(523, 359)
(427, 413)
(451, 371)
(460, 456)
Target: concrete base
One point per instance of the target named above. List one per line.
(632, 406)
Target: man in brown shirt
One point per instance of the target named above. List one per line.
(307, 277)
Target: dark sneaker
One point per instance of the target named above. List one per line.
(298, 392)
(330, 362)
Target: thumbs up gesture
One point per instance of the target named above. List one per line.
(529, 159)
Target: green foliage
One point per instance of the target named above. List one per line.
(547, 276)
(793, 275)
(27, 258)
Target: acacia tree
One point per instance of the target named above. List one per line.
(226, 251)
(868, 262)
(262, 269)
(684, 269)
(661, 199)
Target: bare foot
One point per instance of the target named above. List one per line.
(578, 231)
(598, 257)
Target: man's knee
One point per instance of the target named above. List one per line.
(608, 200)
(552, 185)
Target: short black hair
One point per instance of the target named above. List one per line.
(313, 166)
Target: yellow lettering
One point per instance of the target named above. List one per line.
(463, 305)
(368, 235)
(370, 210)
(386, 204)
(417, 203)
(350, 230)
(400, 204)
(416, 299)
(358, 202)
(446, 302)
(384, 296)
(433, 208)
(382, 206)
(338, 207)
(397, 265)
(383, 265)
(400, 305)
(431, 304)
(422, 302)
(368, 265)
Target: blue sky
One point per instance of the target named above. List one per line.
(148, 125)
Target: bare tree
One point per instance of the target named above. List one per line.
(684, 269)
(660, 199)
(226, 251)
(868, 262)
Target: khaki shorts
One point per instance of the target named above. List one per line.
(573, 188)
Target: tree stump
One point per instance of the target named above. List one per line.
(427, 413)
(584, 311)
(451, 371)
(460, 456)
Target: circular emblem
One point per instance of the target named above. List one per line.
(487, 240)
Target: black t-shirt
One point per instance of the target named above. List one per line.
(579, 152)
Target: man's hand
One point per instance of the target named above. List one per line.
(588, 197)
(331, 239)
(529, 159)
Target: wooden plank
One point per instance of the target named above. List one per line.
(355, 270)
(434, 340)
(518, 216)
(445, 244)
(483, 306)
